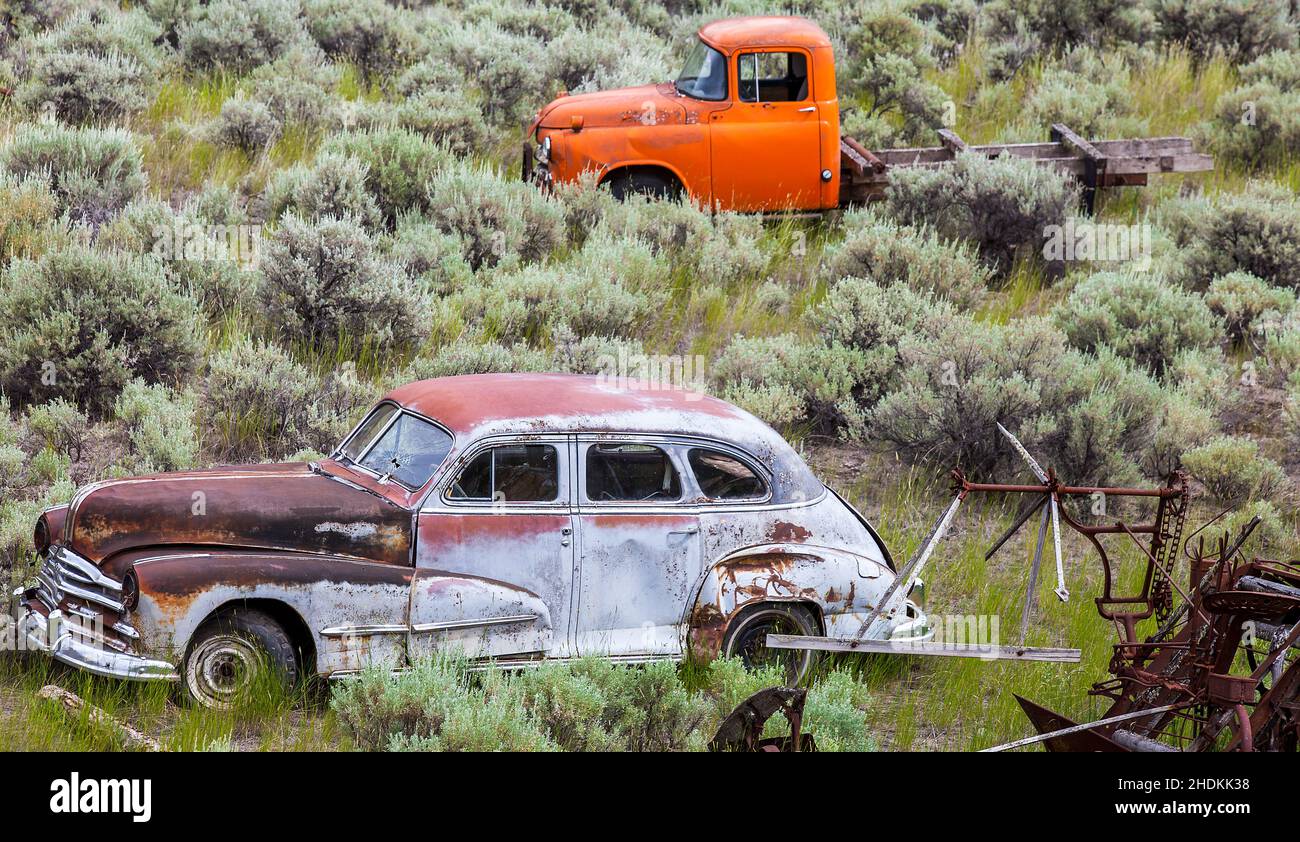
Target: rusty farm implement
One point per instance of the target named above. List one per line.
(1220, 669)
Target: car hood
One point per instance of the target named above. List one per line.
(290, 506)
(617, 107)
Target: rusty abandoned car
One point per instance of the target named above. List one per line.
(516, 517)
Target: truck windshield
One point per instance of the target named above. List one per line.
(704, 75)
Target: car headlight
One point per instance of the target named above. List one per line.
(544, 150)
(41, 535)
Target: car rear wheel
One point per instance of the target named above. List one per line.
(235, 654)
(747, 639)
(640, 183)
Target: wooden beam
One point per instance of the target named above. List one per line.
(929, 647)
(951, 141)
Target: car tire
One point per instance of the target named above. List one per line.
(747, 633)
(231, 654)
(639, 183)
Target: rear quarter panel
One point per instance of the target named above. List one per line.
(816, 553)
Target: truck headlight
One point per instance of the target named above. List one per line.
(544, 150)
(917, 593)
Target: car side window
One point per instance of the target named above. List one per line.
(631, 472)
(772, 77)
(510, 473)
(724, 477)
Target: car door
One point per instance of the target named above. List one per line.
(638, 548)
(494, 553)
(766, 148)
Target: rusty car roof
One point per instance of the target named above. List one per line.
(763, 32)
(475, 406)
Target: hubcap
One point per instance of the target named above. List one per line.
(221, 670)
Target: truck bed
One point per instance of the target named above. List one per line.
(864, 174)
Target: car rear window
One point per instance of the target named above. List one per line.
(724, 477)
(631, 472)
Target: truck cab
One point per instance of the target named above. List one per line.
(750, 124)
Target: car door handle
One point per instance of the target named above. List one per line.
(690, 530)
(807, 110)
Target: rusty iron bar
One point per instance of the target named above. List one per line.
(1074, 729)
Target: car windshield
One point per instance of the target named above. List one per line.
(704, 76)
(398, 445)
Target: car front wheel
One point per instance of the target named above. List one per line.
(235, 655)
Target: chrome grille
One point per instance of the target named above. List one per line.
(66, 574)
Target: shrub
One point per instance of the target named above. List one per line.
(498, 221)
(888, 253)
(238, 35)
(298, 87)
(26, 206)
(1239, 299)
(449, 119)
(1257, 125)
(432, 74)
(401, 167)
(333, 186)
(1232, 469)
(1274, 537)
(527, 304)
(245, 124)
(1240, 29)
(160, 426)
(92, 172)
(954, 389)
(1138, 316)
(835, 711)
(469, 356)
(1061, 25)
(323, 281)
(508, 68)
(61, 425)
(93, 67)
(80, 325)
(435, 706)
(1257, 231)
(596, 705)
(783, 379)
(1104, 418)
(255, 396)
(1089, 102)
(425, 252)
(1002, 206)
(369, 33)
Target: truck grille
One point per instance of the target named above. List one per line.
(65, 574)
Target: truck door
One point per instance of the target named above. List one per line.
(766, 148)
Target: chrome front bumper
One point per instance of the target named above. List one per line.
(62, 617)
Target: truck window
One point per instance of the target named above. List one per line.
(704, 76)
(772, 77)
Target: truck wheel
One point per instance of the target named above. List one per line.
(746, 639)
(235, 652)
(638, 183)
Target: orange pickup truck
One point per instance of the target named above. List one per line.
(752, 123)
